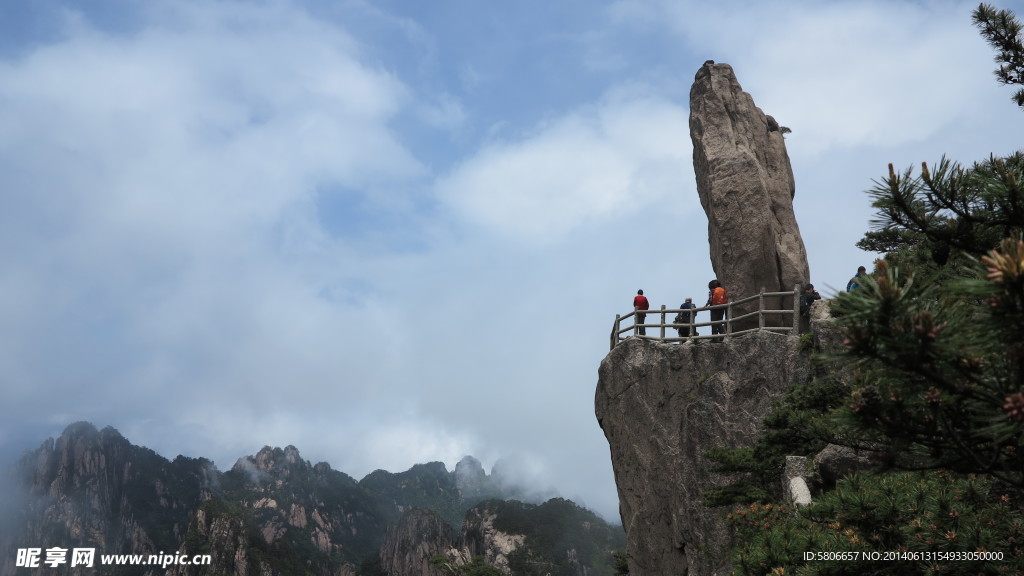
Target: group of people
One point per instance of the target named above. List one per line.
(718, 296)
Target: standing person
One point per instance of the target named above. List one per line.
(854, 282)
(717, 296)
(686, 318)
(807, 297)
(640, 303)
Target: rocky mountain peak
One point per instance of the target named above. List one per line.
(470, 477)
(273, 463)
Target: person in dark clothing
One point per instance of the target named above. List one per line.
(807, 298)
(686, 318)
(854, 282)
(717, 296)
(640, 303)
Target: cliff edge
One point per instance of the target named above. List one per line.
(662, 406)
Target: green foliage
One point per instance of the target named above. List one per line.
(807, 342)
(291, 484)
(558, 534)
(620, 562)
(796, 425)
(476, 567)
(934, 225)
(427, 486)
(1003, 32)
(936, 342)
(940, 369)
(874, 518)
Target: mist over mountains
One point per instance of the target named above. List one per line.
(276, 513)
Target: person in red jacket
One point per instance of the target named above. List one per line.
(716, 296)
(640, 303)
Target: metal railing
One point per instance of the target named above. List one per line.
(729, 322)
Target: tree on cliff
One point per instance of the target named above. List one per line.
(937, 337)
(937, 224)
(940, 369)
(926, 225)
(935, 346)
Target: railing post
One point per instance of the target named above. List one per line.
(615, 332)
(728, 319)
(636, 316)
(662, 321)
(760, 310)
(796, 309)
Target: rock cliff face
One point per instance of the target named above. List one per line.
(481, 538)
(662, 406)
(746, 187)
(282, 506)
(93, 488)
(409, 545)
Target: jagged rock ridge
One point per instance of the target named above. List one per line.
(272, 514)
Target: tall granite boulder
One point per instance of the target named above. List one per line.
(661, 407)
(746, 187)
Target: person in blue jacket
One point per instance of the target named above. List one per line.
(854, 282)
(686, 318)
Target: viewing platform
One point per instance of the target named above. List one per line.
(733, 324)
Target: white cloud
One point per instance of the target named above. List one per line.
(605, 160)
(152, 179)
(840, 74)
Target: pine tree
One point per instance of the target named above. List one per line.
(938, 344)
(1003, 32)
(935, 344)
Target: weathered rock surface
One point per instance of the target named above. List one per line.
(661, 407)
(409, 545)
(834, 463)
(828, 337)
(481, 538)
(746, 187)
(71, 492)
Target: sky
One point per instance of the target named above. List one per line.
(398, 232)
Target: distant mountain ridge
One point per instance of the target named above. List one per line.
(275, 513)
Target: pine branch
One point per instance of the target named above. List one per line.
(1003, 32)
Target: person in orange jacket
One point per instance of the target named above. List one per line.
(716, 296)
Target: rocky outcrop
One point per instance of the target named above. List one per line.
(293, 505)
(828, 337)
(834, 463)
(409, 545)
(746, 187)
(233, 541)
(74, 492)
(481, 538)
(661, 407)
